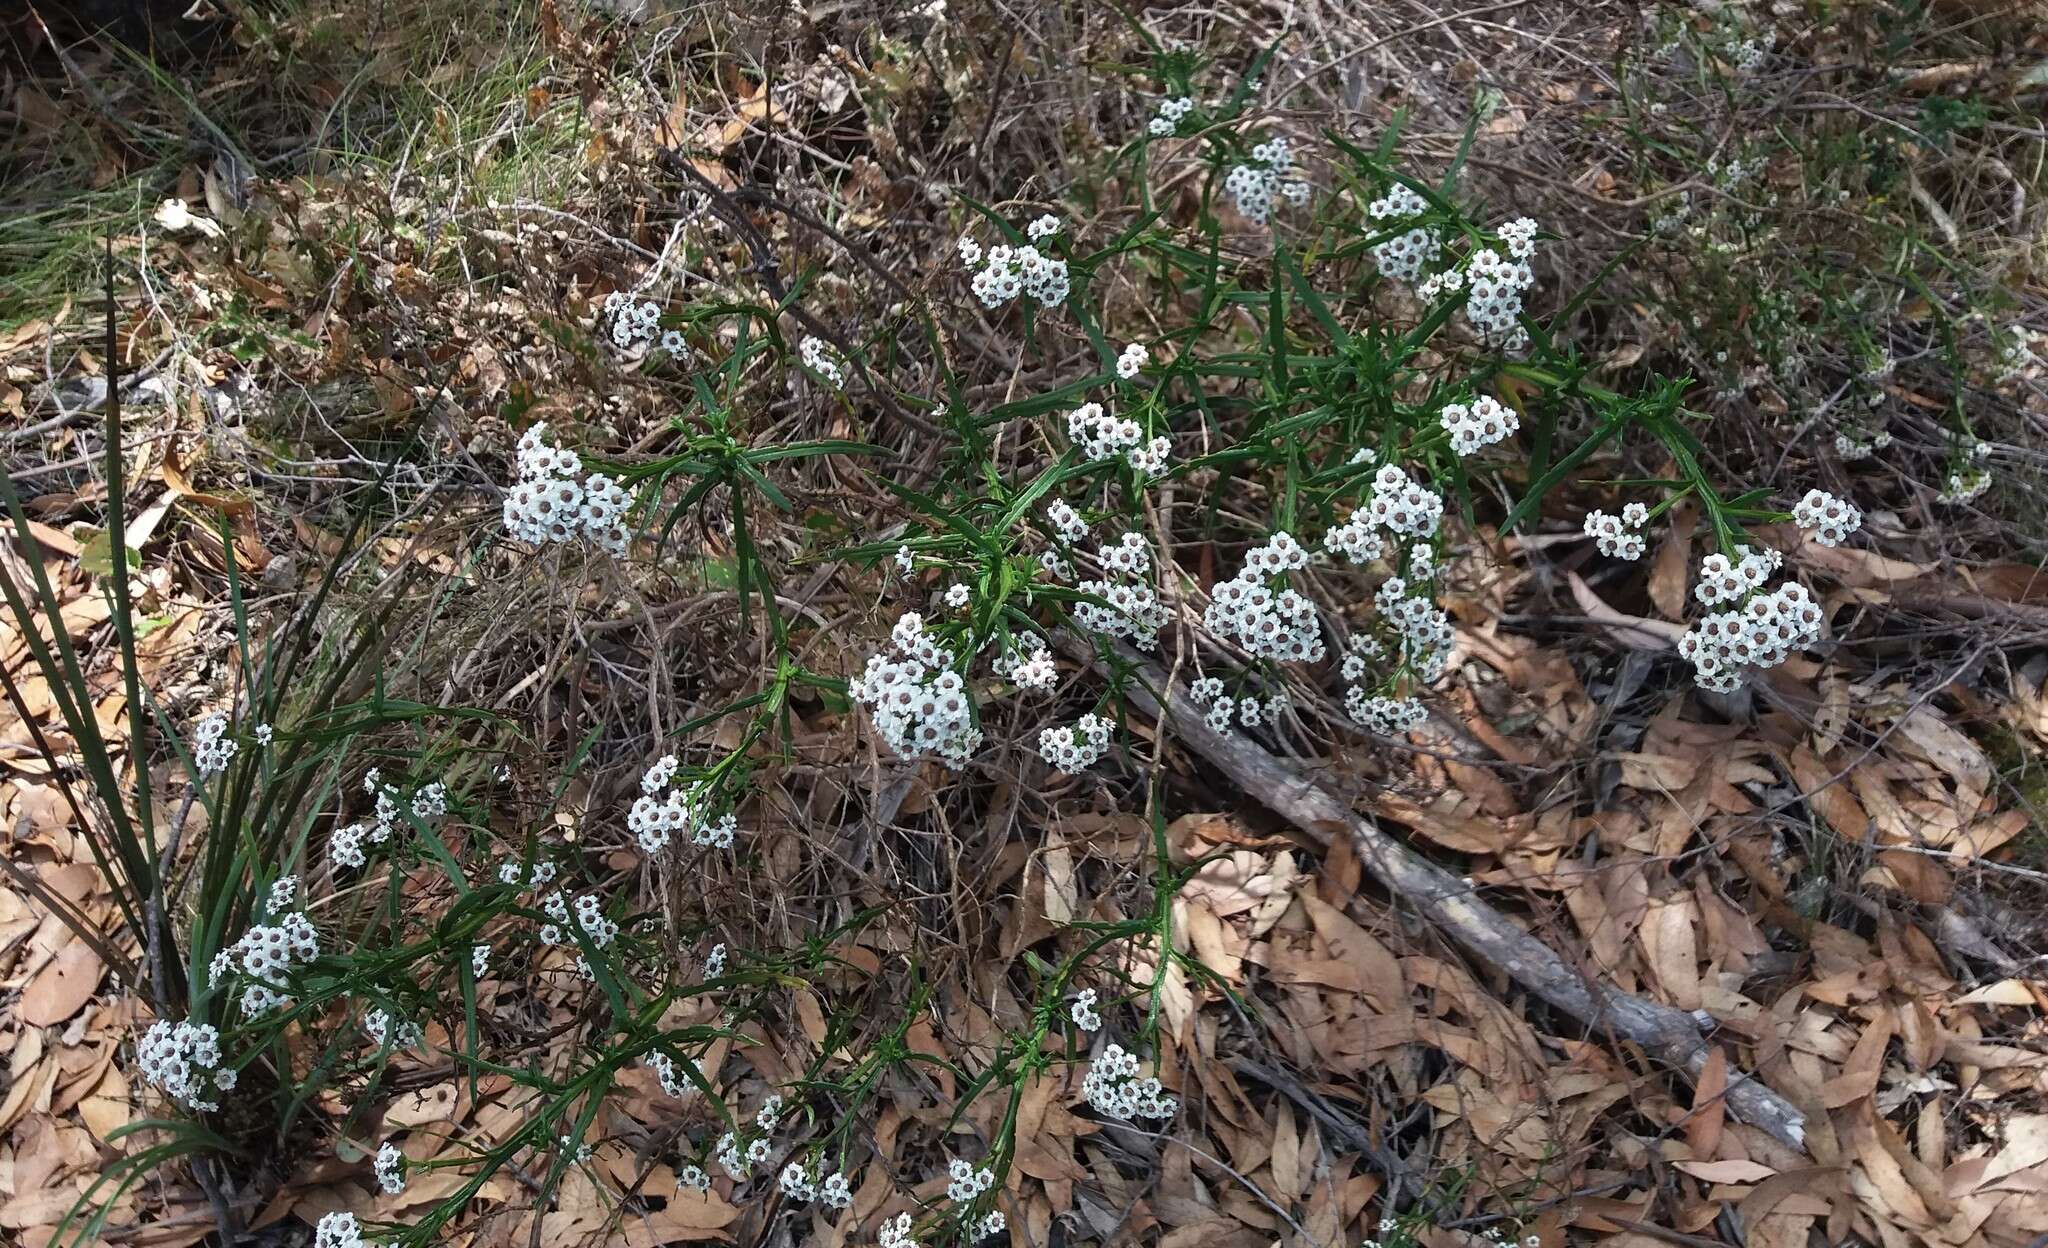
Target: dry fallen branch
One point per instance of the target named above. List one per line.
(1670, 1035)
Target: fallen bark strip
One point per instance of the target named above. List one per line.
(1668, 1034)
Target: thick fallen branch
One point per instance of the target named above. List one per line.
(1670, 1035)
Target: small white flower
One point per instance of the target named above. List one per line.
(896, 1233)
(1132, 361)
(1831, 519)
(819, 357)
(1083, 1012)
(967, 1182)
(957, 596)
(390, 1169)
(834, 1192)
(796, 1183)
(338, 1230)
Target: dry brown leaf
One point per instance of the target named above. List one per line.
(62, 987)
(425, 1105)
(1379, 971)
(1669, 570)
(1709, 1106)
(1742, 1171)
(1951, 751)
(1668, 942)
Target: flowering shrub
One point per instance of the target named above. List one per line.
(1372, 377)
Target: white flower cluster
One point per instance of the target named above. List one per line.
(1083, 1011)
(1426, 639)
(1280, 626)
(992, 1223)
(1851, 447)
(428, 802)
(1133, 360)
(1670, 218)
(1384, 715)
(672, 1081)
(1492, 1237)
(381, 1027)
(390, 1168)
(1401, 505)
(339, 1230)
(967, 1182)
(1127, 609)
(1481, 423)
(737, 1162)
(554, 502)
(657, 815)
(1965, 486)
(212, 748)
(895, 1233)
(1208, 691)
(819, 357)
(694, 1178)
(1066, 521)
(1006, 272)
(1494, 288)
(1354, 540)
(634, 323)
(916, 701)
(1171, 113)
(1761, 633)
(541, 874)
(479, 960)
(796, 1183)
(1102, 436)
(2015, 352)
(1076, 748)
(1726, 580)
(1129, 557)
(714, 962)
(1620, 537)
(266, 954)
(1037, 673)
(1113, 1088)
(1425, 631)
(1751, 53)
(588, 917)
(183, 1059)
(1831, 519)
(1404, 256)
(833, 1191)
(1129, 606)
(1253, 187)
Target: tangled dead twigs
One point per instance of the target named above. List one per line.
(1670, 1035)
